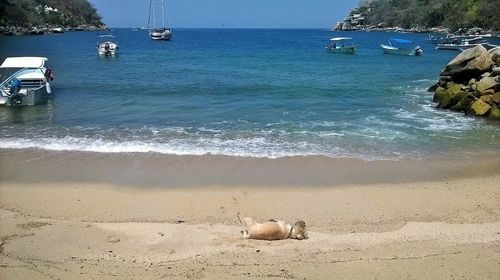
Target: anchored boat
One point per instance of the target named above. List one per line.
(402, 47)
(341, 45)
(107, 45)
(162, 33)
(25, 81)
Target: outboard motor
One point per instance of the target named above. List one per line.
(15, 87)
(16, 100)
(418, 51)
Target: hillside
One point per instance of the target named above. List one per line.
(452, 14)
(63, 13)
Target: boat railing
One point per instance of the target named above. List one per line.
(31, 84)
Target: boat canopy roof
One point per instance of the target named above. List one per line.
(24, 62)
(107, 36)
(340, 38)
(400, 41)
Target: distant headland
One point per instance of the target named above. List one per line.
(424, 16)
(34, 17)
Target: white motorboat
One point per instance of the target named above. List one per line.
(57, 30)
(456, 47)
(402, 47)
(464, 44)
(341, 45)
(107, 45)
(25, 81)
(162, 33)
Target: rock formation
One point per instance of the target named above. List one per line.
(471, 83)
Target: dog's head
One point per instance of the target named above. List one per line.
(299, 230)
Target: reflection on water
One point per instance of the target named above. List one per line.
(20, 115)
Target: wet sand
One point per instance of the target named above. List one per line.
(158, 170)
(147, 216)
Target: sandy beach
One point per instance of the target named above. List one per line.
(75, 215)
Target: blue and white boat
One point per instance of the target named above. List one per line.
(24, 81)
(341, 45)
(402, 47)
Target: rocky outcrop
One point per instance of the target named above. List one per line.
(471, 63)
(471, 83)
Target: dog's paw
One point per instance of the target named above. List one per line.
(245, 234)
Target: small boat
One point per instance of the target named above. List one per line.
(448, 38)
(341, 45)
(402, 47)
(456, 47)
(25, 81)
(57, 30)
(162, 33)
(462, 47)
(463, 44)
(107, 45)
(442, 39)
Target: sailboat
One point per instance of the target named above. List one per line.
(155, 33)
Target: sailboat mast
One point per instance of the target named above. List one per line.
(163, 13)
(149, 17)
(154, 14)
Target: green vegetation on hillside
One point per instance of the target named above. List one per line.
(453, 14)
(65, 13)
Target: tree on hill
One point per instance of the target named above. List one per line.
(70, 13)
(453, 14)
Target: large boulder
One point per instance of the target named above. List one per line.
(471, 63)
(494, 112)
(453, 88)
(478, 108)
(450, 96)
(495, 55)
(487, 83)
(495, 71)
(496, 97)
(442, 97)
(487, 98)
(461, 101)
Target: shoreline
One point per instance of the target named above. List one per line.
(161, 170)
(6, 31)
(74, 215)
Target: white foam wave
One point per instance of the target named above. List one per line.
(257, 147)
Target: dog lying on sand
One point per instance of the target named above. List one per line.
(274, 230)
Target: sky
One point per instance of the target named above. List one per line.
(228, 13)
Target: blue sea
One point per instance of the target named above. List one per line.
(242, 92)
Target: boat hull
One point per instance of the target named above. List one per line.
(397, 51)
(28, 97)
(461, 47)
(342, 50)
(165, 35)
(112, 50)
(453, 47)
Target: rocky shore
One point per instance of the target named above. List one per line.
(431, 30)
(46, 29)
(470, 83)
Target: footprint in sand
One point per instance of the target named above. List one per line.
(31, 225)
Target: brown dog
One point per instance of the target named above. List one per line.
(274, 230)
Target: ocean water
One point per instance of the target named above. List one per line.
(242, 92)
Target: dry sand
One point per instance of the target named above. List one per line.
(68, 226)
